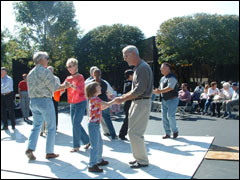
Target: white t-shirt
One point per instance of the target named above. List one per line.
(213, 92)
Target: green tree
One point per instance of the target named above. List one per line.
(103, 46)
(3, 48)
(199, 40)
(52, 27)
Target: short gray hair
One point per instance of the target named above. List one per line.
(226, 84)
(131, 48)
(92, 69)
(39, 55)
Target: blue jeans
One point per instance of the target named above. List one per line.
(77, 112)
(169, 109)
(42, 109)
(107, 118)
(96, 144)
(207, 104)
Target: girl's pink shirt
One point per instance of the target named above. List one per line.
(78, 95)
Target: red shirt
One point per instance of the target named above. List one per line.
(78, 95)
(23, 86)
(95, 110)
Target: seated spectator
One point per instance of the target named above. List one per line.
(197, 92)
(184, 95)
(226, 94)
(228, 104)
(203, 98)
(212, 91)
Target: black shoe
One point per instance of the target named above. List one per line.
(133, 162)
(137, 165)
(224, 115)
(103, 163)
(13, 127)
(166, 136)
(123, 138)
(4, 128)
(95, 168)
(29, 122)
(175, 135)
(213, 114)
(107, 134)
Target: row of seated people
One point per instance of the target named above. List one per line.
(212, 97)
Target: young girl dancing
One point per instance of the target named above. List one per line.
(96, 105)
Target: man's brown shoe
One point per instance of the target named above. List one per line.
(103, 163)
(52, 155)
(30, 155)
(95, 168)
(175, 135)
(166, 136)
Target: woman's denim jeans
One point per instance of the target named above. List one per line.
(77, 112)
(169, 109)
(43, 109)
(96, 144)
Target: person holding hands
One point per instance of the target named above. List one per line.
(96, 105)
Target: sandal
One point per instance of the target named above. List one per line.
(30, 155)
(74, 150)
(51, 155)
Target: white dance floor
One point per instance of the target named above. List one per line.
(169, 159)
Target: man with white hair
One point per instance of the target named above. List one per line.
(140, 94)
(41, 86)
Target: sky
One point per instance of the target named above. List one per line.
(146, 15)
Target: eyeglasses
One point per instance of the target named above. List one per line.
(70, 66)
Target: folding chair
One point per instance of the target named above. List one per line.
(183, 112)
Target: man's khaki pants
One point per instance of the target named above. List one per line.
(138, 119)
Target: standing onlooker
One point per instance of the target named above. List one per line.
(96, 105)
(127, 87)
(23, 94)
(7, 99)
(169, 92)
(103, 96)
(109, 92)
(115, 108)
(141, 93)
(41, 85)
(56, 95)
(77, 101)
